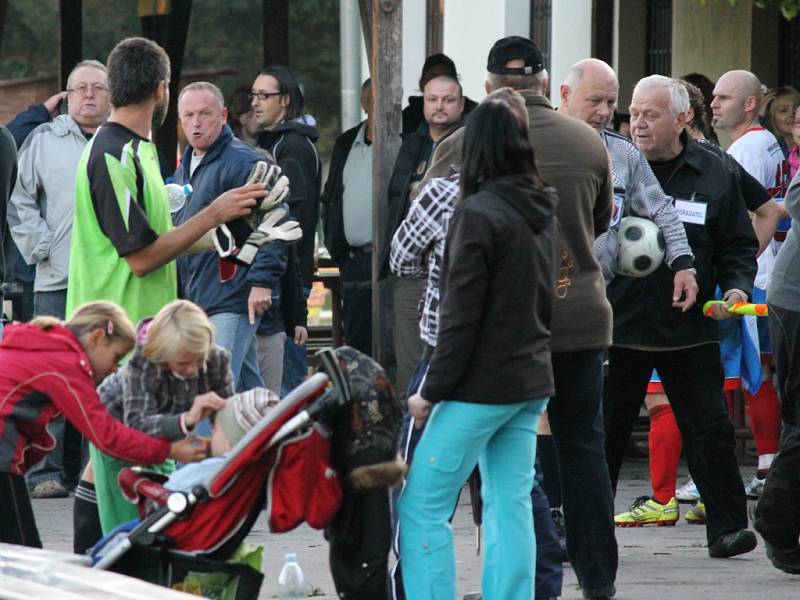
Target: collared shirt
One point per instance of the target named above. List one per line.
(422, 234)
(357, 192)
(637, 192)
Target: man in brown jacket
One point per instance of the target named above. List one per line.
(571, 157)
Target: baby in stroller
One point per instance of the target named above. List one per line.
(231, 423)
(287, 453)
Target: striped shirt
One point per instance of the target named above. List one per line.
(637, 192)
(419, 242)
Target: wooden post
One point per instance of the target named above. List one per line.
(386, 63)
(276, 32)
(70, 17)
(3, 10)
(166, 22)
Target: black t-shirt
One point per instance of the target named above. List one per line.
(753, 193)
(663, 170)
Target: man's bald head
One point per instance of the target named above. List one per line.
(737, 97)
(589, 92)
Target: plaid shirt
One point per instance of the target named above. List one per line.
(148, 397)
(420, 239)
(637, 192)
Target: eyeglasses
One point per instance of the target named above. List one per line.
(83, 89)
(262, 95)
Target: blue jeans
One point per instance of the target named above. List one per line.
(502, 440)
(295, 360)
(52, 303)
(235, 333)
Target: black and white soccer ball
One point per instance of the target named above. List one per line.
(641, 247)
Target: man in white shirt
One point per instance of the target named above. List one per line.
(347, 223)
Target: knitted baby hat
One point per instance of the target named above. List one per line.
(243, 411)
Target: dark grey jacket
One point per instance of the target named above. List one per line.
(497, 294)
(8, 176)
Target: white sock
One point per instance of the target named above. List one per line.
(764, 461)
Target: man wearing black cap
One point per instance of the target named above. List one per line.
(435, 65)
(571, 157)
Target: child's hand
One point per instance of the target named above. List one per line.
(203, 405)
(187, 450)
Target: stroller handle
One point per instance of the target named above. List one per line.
(327, 405)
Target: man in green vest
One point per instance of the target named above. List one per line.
(123, 243)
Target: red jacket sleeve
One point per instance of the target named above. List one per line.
(77, 400)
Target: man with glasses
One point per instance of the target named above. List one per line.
(40, 219)
(289, 136)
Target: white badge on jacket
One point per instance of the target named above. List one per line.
(690, 211)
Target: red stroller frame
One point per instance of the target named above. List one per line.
(206, 523)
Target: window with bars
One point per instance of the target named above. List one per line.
(434, 27)
(789, 52)
(659, 37)
(541, 26)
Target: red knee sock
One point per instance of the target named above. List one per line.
(764, 410)
(665, 452)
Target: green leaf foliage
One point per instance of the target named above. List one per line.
(222, 35)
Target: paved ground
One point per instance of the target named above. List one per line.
(655, 563)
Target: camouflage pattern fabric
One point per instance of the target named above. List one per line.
(368, 431)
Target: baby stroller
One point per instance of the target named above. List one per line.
(182, 535)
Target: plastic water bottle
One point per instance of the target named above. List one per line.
(291, 583)
(177, 195)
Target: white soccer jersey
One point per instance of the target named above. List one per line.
(759, 152)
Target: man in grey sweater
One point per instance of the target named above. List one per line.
(777, 516)
(40, 214)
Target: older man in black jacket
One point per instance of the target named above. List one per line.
(655, 329)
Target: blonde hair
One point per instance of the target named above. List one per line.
(180, 325)
(91, 316)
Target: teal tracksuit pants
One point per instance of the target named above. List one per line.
(501, 438)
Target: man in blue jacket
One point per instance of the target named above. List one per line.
(213, 162)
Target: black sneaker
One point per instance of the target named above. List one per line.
(603, 593)
(732, 544)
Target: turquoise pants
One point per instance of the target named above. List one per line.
(501, 439)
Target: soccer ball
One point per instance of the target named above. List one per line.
(641, 247)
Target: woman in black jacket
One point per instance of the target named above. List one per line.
(490, 376)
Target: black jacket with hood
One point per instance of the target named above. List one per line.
(496, 297)
(291, 143)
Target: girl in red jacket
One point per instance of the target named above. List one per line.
(47, 369)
